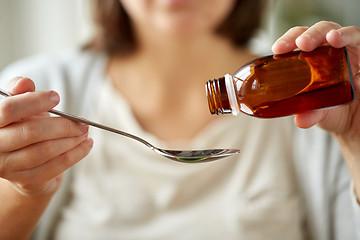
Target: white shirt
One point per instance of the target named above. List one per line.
(123, 189)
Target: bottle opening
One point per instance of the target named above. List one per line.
(217, 96)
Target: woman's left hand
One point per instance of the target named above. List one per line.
(343, 122)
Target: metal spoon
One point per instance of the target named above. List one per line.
(188, 156)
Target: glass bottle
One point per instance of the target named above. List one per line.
(282, 85)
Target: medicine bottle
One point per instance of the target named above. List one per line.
(282, 85)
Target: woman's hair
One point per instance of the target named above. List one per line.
(114, 33)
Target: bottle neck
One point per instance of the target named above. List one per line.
(217, 96)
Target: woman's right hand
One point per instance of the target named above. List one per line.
(35, 148)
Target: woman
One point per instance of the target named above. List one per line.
(144, 73)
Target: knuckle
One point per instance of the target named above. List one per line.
(25, 185)
(322, 22)
(46, 149)
(295, 31)
(328, 23)
(300, 28)
(67, 127)
(354, 28)
(29, 131)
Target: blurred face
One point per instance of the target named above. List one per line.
(178, 17)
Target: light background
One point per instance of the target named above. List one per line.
(34, 26)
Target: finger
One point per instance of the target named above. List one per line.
(15, 108)
(22, 134)
(20, 85)
(37, 154)
(286, 43)
(56, 166)
(346, 36)
(308, 119)
(315, 35)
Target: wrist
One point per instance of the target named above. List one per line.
(16, 204)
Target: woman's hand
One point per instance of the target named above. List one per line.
(340, 120)
(343, 121)
(35, 148)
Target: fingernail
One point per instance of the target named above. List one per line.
(357, 77)
(84, 127)
(90, 142)
(282, 42)
(303, 37)
(13, 86)
(306, 36)
(16, 83)
(54, 97)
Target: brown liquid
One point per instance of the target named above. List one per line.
(308, 100)
(282, 85)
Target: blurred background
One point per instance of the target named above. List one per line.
(35, 26)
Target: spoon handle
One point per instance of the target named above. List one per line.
(88, 122)
(98, 125)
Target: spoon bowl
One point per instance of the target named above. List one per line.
(187, 156)
(195, 156)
